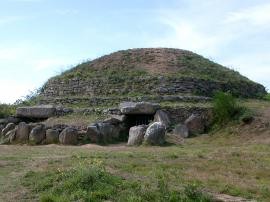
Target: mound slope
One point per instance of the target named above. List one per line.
(147, 72)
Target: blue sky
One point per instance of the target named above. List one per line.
(41, 38)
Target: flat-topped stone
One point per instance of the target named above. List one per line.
(36, 112)
(138, 107)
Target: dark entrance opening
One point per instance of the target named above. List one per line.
(139, 119)
(134, 120)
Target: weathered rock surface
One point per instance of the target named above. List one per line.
(82, 137)
(181, 130)
(103, 132)
(136, 135)
(195, 124)
(37, 134)
(120, 118)
(10, 137)
(52, 136)
(36, 112)
(113, 120)
(93, 133)
(1, 128)
(8, 127)
(108, 132)
(22, 133)
(68, 136)
(163, 117)
(113, 111)
(155, 134)
(138, 107)
(59, 127)
(10, 119)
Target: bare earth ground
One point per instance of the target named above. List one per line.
(233, 162)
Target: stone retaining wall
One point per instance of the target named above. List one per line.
(97, 101)
(148, 85)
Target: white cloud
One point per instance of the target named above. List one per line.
(26, 0)
(26, 66)
(11, 53)
(255, 66)
(12, 90)
(67, 11)
(185, 35)
(234, 42)
(50, 63)
(4, 20)
(192, 34)
(258, 15)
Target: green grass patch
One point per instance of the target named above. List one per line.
(94, 183)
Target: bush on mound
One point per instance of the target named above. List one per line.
(226, 108)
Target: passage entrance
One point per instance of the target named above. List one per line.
(139, 119)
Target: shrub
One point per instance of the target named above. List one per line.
(6, 110)
(29, 100)
(226, 108)
(267, 97)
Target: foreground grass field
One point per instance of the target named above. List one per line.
(224, 163)
(234, 161)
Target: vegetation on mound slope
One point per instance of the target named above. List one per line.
(138, 72)
(142, 62)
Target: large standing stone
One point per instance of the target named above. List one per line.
(37, 135)
(139, 108)
(195, 124)
(36, 112)
(1, 128)
(93, 133)
(162, 116)
(181, 130)
(52, 136)
(136, 135)
(108, 132)
(82, 137)
(68, 136)
(8, 128)
(22, 133)
(9, 137)
(155, 134)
